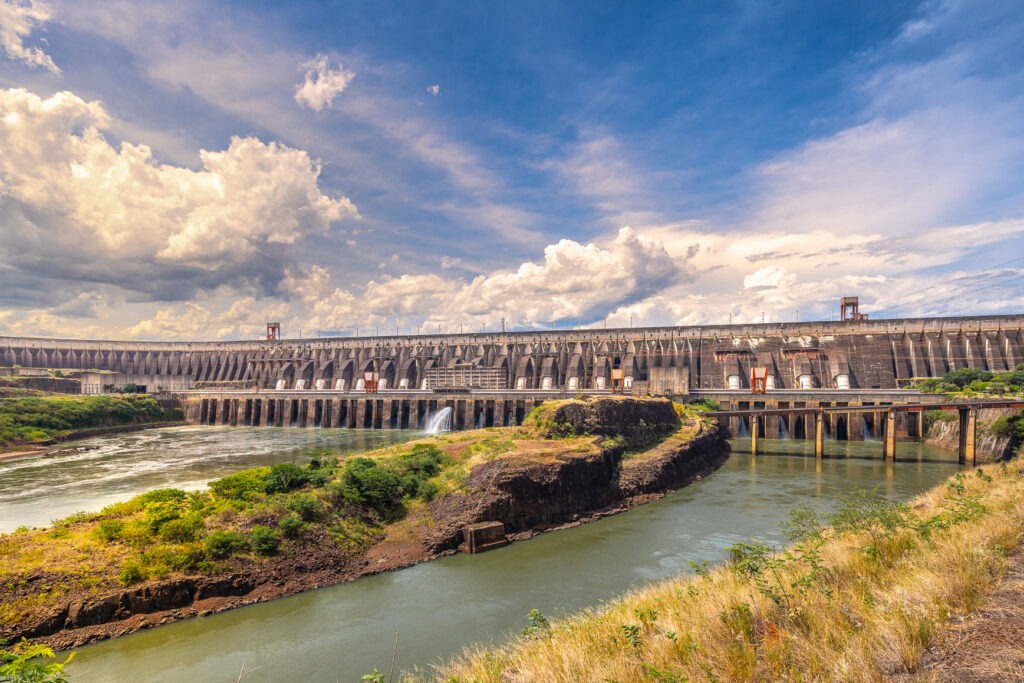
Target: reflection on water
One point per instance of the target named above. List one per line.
(36, 490)
(905, 451)
(341, 632)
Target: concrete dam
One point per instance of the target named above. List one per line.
(855, 354)
(849, 355)
(493, 379)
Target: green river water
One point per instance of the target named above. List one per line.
(439, 607)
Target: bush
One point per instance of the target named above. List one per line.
(705, 403)
(223, 544)
(263, 540)
(182, 530)
(1001, 427)
(110, 530)
(245, 485)
(1011, 427)
(190, 557)
(159, 513)
(30, 419)
(375, 486)
(162, 496)
(428, 490)
(933, 416)
(132, 573)
(285, 477)
(307, 507)
(27, 662)
(137, 533)
(290, 526)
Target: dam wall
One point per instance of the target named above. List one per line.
(861, 354)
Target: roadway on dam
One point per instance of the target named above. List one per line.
(338, 633)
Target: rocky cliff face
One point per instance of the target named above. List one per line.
(554, 488)
(946, 434)
(636, 420)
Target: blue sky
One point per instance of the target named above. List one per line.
(192, 171)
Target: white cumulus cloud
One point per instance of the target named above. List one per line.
(53, 156)
(434, 89)
(17, 20)
(574, 281)
(322, 83)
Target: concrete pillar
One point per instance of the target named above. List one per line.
(917, 424)
(968, 436)
(235, 409)
(385, 415)
(889, 439)
(257, 412)
(754, 434)
(819, 434)
(855, 426)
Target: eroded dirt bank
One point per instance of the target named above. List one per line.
(543, 485)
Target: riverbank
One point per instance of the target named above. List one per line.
(878, 595)
(32, 449)
(26, 423)
(503, 474)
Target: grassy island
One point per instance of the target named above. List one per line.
(270, 531)
(859, 596)
(38, 419)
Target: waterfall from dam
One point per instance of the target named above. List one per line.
(869, 433)
(441, 421)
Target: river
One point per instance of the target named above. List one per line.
(36, 490)
(341, 632)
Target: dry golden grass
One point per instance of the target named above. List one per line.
(691, 425)
(63, 559)
(866, 615)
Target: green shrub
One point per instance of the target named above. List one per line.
(189, 557)
(162, 496)
(137, 533)
(182, 530)
(161, 512)
(377, 487)
(132, 573)
(28, 662)
(263, 540)
(1001, 427)
(291, 526)
(704, 403)
(223, 544)
(244, 485)
(933, 416)
(428, 490)
(307, 507)
(110, 529)
(1011, 427)
(284, 477)
(36, 418)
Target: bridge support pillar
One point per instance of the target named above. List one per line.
(968, 436)
(916, 428)
(754, 434)
(819, 434)
(889, 439)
